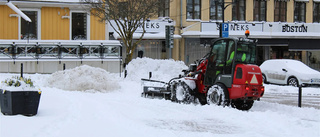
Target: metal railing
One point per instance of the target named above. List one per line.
(63, 49)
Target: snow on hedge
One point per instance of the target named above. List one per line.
(84, 78)
(162, 69)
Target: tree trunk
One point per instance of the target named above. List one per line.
(129, 52)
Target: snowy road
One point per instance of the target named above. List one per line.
(288, 95)
(125, 114)
(312, 101)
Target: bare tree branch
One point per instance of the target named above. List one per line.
(127, 15)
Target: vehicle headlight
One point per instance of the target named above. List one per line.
(315, 80)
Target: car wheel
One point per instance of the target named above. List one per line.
(292, 81)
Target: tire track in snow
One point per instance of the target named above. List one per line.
(64, 101)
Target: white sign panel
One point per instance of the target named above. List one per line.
(287, 28)
(233, 27)
(155, 26)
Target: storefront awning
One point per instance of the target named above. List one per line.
(304, 44)
(272, 42)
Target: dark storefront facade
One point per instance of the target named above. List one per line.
(299, 41)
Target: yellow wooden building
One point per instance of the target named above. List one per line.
(51, 20)
(61, 35)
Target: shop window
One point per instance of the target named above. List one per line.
(280, 11)
(300, 12)
(29, 30)
(194, 51)
(79, 26)
(164, 8)
(316, 12)
(150, 48)
(239, 10)
(193, 9)
(282, 52)
(215, 10)
(259, 10)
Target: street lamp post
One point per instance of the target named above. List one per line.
(223, 7)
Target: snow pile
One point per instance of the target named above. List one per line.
(162, 70)
(84, 78)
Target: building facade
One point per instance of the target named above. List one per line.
(284, 28)
(61, 35)
(51, 20)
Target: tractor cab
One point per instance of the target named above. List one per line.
(224, 56)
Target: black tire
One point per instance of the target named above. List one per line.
(264, 79)
(292, 81)
(218, 94)
(242, 104)
(181, 93)
(202, 98)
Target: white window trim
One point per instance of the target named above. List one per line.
(38, 19)
(88, 23)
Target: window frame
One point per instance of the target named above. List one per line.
(281, 10)
(38, 22)
(236, 10)
(214, 4)
(300, 11)
(164, 12)
(257, 8)
(193, 10)
(88, 24)
(316, 12)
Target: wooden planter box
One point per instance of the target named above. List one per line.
(19, 102)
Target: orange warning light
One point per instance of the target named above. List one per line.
(247, 33)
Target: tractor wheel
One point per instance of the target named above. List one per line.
(242, 104)
(219, 95)
(181, 93)
(202, 98)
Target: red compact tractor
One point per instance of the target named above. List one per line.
(225, 76)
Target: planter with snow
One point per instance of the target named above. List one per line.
(19, 96)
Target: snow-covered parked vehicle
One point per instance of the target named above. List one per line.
(289, 72)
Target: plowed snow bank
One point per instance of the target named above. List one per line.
(84, 78)
(161, 69)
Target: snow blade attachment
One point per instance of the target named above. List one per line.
(155, 88)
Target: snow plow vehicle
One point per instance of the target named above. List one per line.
(225, 76)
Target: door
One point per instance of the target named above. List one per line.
(217, 61)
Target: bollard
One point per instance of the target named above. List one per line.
(125, 73)
(300, 96)
(64, 66)
(21, 71)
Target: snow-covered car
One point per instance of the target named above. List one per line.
(289, 72)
